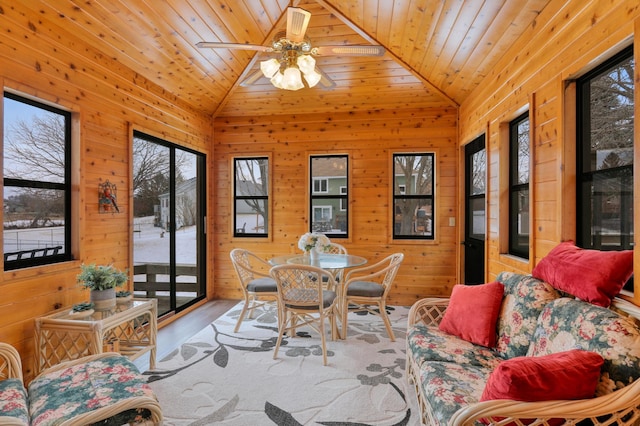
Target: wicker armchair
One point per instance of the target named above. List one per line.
(619, 408)
(258, 288)
(67, 394)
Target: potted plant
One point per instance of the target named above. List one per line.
(102, 280)
(82, 310)
(123, 296)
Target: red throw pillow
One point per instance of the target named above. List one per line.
(565, 375)
(591, 275)
(473, 312)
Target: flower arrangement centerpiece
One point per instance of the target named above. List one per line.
(314, 242)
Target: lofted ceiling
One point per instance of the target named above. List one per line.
(437, 51)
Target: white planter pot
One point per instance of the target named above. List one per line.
(103, 300)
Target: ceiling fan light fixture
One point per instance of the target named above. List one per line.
(312, 77)
(270, 68)
(276, 80)
(292, 79)
(306, 64)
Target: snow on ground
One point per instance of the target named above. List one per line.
(151, 243)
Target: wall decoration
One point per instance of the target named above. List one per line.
(107, 198)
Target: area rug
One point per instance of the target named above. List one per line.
(226, 378)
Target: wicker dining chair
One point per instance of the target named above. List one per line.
(368, 286)
(258, 287)
(305, 300)
(335, 248)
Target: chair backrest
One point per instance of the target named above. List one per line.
(335, 248)
(383, 272)
(245, 263)
(301, 285)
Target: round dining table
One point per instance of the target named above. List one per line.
(322, 260)
(332, 263)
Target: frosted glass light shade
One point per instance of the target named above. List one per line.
(312, 77)
(306, 63)
(276, 80)
(270, 67)
(292, 79)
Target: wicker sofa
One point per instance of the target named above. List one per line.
(451, 375)
(104, 389)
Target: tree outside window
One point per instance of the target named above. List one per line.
(605, 155)
(251, 197)
(413, 196)
(519, 186)
(37, 183)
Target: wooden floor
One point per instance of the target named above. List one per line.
(174, 334)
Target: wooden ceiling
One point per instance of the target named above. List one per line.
(438, 51)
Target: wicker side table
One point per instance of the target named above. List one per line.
(130, 329)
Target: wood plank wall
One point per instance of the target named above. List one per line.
(569, 38)
(40, 57)
(369, 138)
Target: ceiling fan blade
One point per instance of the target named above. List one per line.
(252, 79)
(352, 50)
(297, 22)
(241, 46)
(325, 80)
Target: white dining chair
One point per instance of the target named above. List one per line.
(304, 300)
(367, 286)
(258, 287)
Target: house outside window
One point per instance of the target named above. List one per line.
(519, 186)
(413, 196)
(605, 118)
(37, 183)
(251, 197)
(329, 198)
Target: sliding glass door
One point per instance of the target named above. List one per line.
(169, 217)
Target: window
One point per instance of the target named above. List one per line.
(251, 197)
(169, 216)
(329, 194)
(605, 118)
(413, 200)
(320, 186)
(37, 183)
(519, 186)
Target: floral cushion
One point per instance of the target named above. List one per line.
(66, 393)
(566, 324)
(524, 299)
(431, 344)
(450, 386)
(13, 400)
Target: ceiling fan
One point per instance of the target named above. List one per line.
(296, 54)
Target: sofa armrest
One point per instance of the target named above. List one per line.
(428, 311)
(623, 403)
(10, 364)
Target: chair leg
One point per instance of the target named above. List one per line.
(281, 329)
(323, 340)
(345, 314)
(385, 318)
(242, 314)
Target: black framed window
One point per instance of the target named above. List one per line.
(413, 196)
(519, 148)
(37, 183)
(605, 121)
(251, 197)
(329, 200)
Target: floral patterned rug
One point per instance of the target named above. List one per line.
(226, 378)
